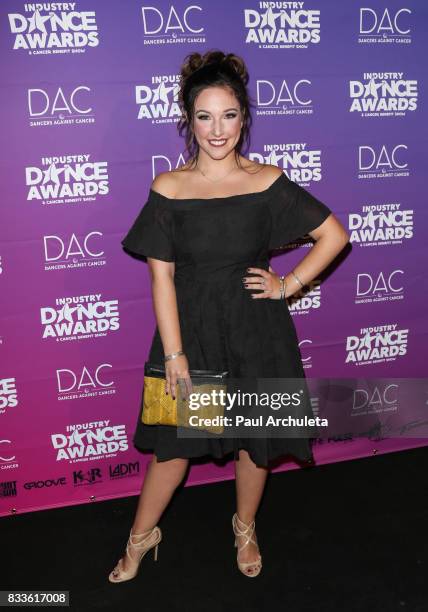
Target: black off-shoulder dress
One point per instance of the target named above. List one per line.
(212, 242)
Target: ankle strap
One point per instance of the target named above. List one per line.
(149, 532)
(240, 532)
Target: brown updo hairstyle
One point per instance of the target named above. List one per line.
(214, 68)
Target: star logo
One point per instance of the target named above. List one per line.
(269, 18)
(161, 92)
(370, 220)
(366, 341)
(273, 158)
(37, 22)
(65, 313)
(75, 438)
(51, 175)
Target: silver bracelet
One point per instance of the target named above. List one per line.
(173, 355)
(297, 278)
(282, 287)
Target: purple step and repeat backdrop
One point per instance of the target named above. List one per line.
(89, 112)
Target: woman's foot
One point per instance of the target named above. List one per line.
(138, 545)
(248, 557)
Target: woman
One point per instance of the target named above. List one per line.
(206, 231)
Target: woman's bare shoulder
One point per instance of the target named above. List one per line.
(166, 183)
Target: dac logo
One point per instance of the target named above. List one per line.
(162, 163)
(69, 253)
(376, 400)
(171, 26)
(382, 161)
(60, 106)
(86, 383)
(280, 97)
(6, 458)
(387, 26)
(379, 288)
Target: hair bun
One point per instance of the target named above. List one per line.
(195, 61)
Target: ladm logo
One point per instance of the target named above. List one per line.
(8, 394)
(377, 344)
(383, 161)
(171, 25)
(124, 470)
(379, 287)
(301, 163)
(381, 225)
(8, 489)
(89, 441)
(279, 97)
(158, 102)
(67, 179)
(383, 94)
(86, 383)
(53, 27)
(72, 252)
(91, 317)
(384, 26)
(293, 26)
(57, 106)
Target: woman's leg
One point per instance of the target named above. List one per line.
(250, 482)
(160, 481)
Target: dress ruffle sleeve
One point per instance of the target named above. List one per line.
(294, 213)
(151, 234)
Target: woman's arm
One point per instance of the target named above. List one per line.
(166, 311)
(331, 237)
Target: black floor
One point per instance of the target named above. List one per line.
(341, 537)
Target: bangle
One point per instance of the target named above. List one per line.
(297, 278)
(282, 286)
(173, 355)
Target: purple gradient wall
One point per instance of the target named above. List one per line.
(89, 113)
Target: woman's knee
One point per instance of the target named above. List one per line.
(172, 468)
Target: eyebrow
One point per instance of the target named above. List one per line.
(225, 111)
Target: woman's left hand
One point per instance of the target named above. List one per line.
(267, 281)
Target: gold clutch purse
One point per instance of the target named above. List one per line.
(160, 408)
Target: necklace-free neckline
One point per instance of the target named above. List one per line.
(230, 197)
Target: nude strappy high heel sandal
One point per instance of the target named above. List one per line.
(256, 566)
(118, 574)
